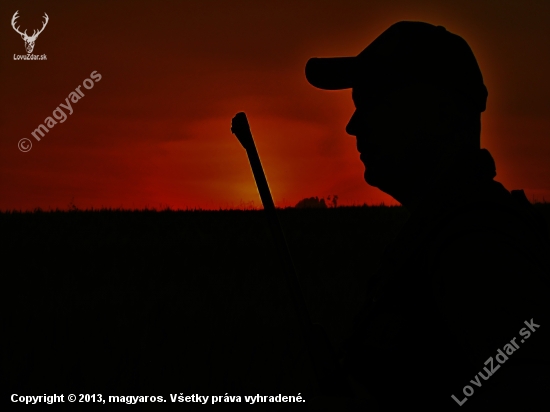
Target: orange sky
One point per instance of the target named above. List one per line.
(155, 130)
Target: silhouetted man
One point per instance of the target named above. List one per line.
(467, 276)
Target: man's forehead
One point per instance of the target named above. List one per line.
(364, 94)
(373, 94)
(358, 93)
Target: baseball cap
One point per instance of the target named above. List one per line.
(405, 53)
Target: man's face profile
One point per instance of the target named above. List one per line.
(395, 130)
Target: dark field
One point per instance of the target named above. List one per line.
(192, 302)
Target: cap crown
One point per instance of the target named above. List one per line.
(409, 52)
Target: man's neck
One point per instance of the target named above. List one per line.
(419, 190)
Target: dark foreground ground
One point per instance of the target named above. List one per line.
(160, 303)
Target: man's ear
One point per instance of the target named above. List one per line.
(465, 126)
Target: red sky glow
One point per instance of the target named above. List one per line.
(155, 130)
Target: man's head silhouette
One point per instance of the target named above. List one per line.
(451, 280)
(419, 94)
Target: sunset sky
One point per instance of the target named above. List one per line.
(155, 130)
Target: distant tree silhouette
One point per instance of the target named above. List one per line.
(311, 202)
(334, 200)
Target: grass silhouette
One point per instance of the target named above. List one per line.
(159, 302)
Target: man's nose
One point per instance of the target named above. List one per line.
(351, 128)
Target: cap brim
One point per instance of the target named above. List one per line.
(331, 73)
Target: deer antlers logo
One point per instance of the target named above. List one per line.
(29, 40)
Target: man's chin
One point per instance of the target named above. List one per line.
(374, 180)
(370, 178)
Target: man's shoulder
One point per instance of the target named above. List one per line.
(487, 261)
(490, 276)
(498, 221)
(491, 246)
